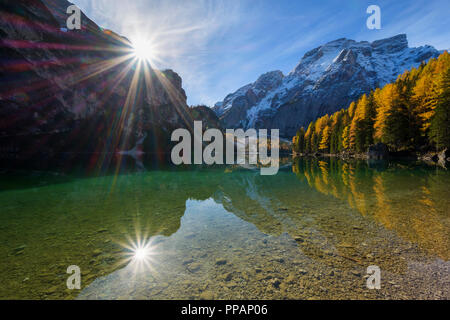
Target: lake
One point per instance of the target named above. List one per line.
(226, 232)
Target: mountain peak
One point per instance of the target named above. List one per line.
(326, 79)
(392, 44)
(269, 80)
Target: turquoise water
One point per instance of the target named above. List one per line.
(309, 232)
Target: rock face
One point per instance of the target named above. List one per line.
(233, 110)
(206, 115)
(441, 158)
(326, 79)
(78, 91)
(444, 156)
(378, 151)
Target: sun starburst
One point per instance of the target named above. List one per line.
(143, 49)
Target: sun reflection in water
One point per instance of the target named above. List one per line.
(141, 254)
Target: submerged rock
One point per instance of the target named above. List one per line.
(276, 283)
(194, 267)
(302, 271)
(19, 250)
(278, 259)
(221, 262)
(228, 277)
(188, 261)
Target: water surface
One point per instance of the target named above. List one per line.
(309, 232)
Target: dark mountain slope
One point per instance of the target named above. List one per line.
(81, 91)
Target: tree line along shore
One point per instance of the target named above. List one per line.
(407, 118)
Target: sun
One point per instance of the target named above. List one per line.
(143, 50)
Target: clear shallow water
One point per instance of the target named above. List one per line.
(309, 232)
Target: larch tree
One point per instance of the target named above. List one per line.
(440, 122)
(325, 140)
(346, 138)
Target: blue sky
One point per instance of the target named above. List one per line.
(217, 46)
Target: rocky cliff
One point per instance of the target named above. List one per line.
(80, 91)
(206, 115)
(325, 80)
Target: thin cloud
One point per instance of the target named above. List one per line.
(219, 45)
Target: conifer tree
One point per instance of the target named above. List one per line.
(440, 122)
(346, 138)
(386, 100)
(370, 114)
(299, 141)
(308, 137)
(336, 132)
(357, 127)
(325, 140)
(425, 95)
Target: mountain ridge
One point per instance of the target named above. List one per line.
(326, 79)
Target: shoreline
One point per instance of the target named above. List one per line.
(431, 158)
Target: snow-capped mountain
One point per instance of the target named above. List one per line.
(326, 79)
